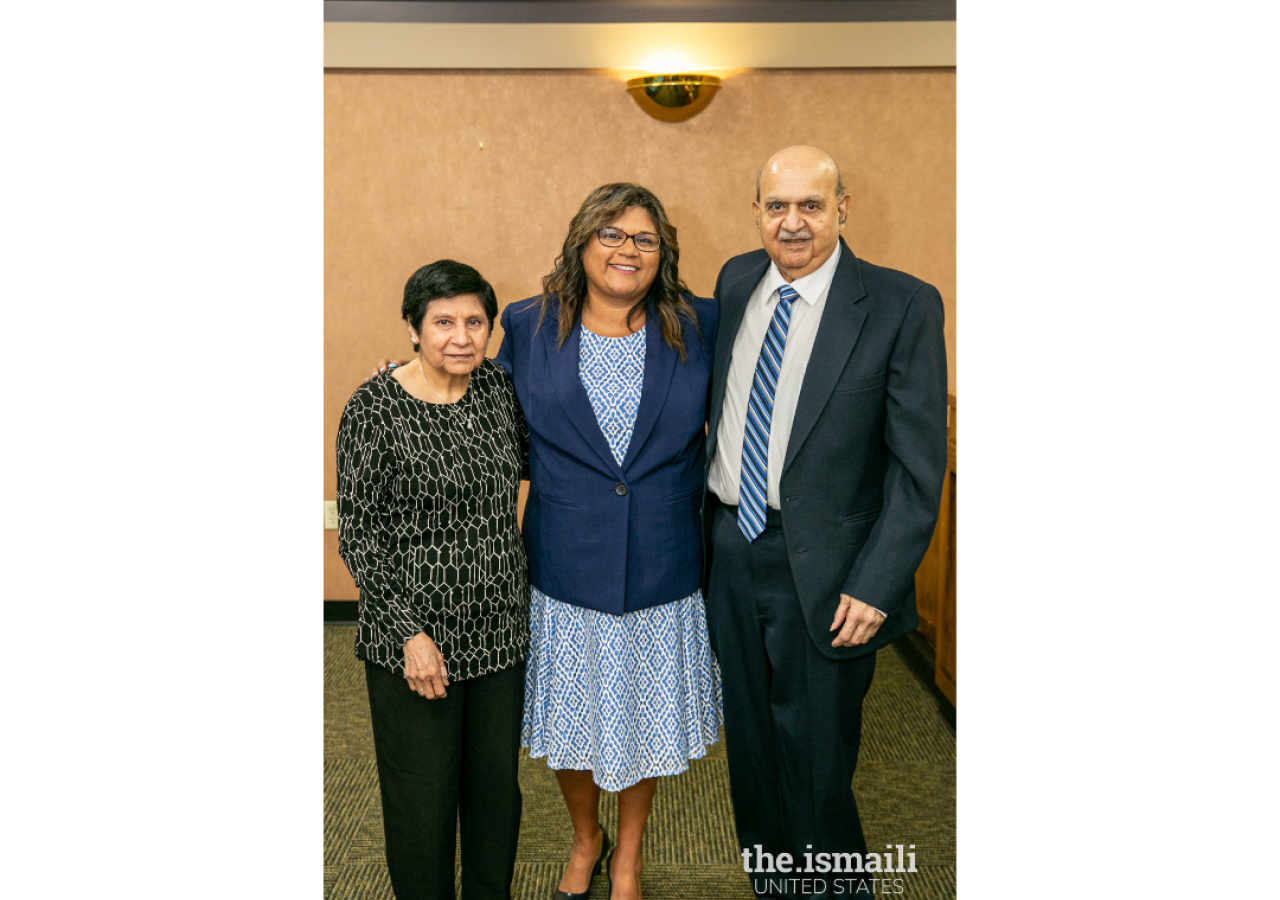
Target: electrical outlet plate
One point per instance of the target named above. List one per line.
(330, 515)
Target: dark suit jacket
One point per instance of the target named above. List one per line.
(599, 535)
(867, 454)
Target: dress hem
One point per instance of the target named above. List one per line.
(616, 784)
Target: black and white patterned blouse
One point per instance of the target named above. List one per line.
(427, 522)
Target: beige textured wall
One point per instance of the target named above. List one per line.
(406, 182)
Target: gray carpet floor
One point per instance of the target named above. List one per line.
(905, 785)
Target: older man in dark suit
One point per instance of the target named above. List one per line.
(827, 453)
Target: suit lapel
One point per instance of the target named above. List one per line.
(562, 372)
(659, 367)
(733, 304)
(837, 333)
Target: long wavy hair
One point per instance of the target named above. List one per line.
(568, 281)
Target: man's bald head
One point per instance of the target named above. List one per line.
(800, 209)
(803, 154)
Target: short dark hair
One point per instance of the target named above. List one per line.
(441, 280)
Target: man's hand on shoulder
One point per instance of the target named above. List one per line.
(860, 622)
(386, 364)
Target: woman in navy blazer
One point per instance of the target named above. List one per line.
(611, 364)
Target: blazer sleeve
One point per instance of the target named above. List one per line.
(508, 341)
(709, 322)
(365, 464)
(708, 315)
(506, 359)
(915, 435)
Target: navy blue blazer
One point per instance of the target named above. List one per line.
(599, 535)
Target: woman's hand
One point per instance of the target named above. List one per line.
(385, 364)
(424, 667)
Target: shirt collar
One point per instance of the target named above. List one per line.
(811, 286)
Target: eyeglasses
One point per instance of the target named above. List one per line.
(616, 237)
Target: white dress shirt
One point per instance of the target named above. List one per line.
(806, 313)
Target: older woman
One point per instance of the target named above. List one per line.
(429, 469)
(611, 364)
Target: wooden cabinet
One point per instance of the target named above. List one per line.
(936, 577)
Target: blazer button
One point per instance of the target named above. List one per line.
(802, 549)
(620, 489)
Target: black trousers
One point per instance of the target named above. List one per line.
(438, 759)
(792, 716)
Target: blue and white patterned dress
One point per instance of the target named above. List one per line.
(626, 697)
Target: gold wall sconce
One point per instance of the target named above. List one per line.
(673, 98)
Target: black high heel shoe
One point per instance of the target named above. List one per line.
(604, 851)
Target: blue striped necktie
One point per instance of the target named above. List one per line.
(753, 487)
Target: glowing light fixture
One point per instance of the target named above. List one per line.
(673, 98)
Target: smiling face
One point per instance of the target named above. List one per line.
(454, 333)
(621, 276)
(799, 215)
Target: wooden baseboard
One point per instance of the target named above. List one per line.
(946, 685)
(919, 657)
(341, 612)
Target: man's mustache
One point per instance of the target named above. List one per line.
(784, 235)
